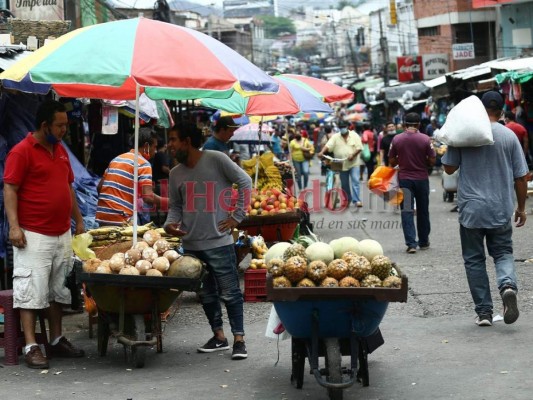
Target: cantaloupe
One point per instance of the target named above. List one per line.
(344, 244)
(370, 248)
(320, 251)
(276, 251)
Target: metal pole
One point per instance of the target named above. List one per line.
(136, 162)
(385, 51)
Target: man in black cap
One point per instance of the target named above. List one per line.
(413, 152)
(489, 177)
(223, 131)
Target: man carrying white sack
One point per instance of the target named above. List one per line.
(487, 177)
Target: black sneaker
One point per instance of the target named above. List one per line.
(411, 250)
(239, 351)
(510, 306)
(484, 320)
(424, 246)
(214, 344)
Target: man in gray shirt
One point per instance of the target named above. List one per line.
(488, 175)
(202, 214)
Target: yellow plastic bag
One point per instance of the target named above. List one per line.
(80, 246)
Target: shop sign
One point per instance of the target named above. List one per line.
(38, 10)
(435, 65)
(463, 51)
(409, 69)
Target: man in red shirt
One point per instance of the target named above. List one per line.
(40, 202)
(518, 129)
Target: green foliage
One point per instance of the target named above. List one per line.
(276, 26)
(344, 3)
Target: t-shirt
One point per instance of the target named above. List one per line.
(296, 149)
(198, 198)
(214, 144)
(44, 181)
(486, 179)
(413, 150)
(519, 130)
(161, 159)
(345, 148)
(115, 201)
(276, 144)
(368, 137)
(385, 146)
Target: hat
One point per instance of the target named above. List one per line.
(225, 122)
(412, 118)
(492, 100)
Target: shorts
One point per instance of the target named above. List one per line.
(40, 270)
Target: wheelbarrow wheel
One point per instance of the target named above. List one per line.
(333, 364)
(298, 362)
(135, 355)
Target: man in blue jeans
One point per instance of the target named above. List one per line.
(201, 213)
(413, 152)
(489, 177)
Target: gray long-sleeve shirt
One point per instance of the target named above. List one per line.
(199, 198)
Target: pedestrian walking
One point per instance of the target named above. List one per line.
(489, 177)
(413, 152)
(301, 151)
(205, 224)
(223, 131)
(384, 145)
(40, 203)
(369, 138)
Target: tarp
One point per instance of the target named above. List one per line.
(489, 3)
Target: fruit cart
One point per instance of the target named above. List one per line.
(331, 323)
(273, 228)
(130, 307)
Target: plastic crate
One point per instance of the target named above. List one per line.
(255, 285)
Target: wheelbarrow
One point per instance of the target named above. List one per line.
(130, 307)
(331, 323)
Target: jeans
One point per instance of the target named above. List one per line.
(419, 191)
(351, 190)
(500, 248)
(302, 169)
(221, 284)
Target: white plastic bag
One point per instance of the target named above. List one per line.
(467, 125)
(449, 182)
(273, 325)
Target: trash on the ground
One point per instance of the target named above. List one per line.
(44, 371)
(223, 386)
(504, 372)
(445, 341)
(497, 318)
(58, 372)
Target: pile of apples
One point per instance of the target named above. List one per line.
(272, 202)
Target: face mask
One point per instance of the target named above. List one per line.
(399, 130)
(51, 138)
(182, 156)
(344, 131)
(391, 131)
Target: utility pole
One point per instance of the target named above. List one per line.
(352, 52)
(385, 51)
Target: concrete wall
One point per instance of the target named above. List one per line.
(517, 29)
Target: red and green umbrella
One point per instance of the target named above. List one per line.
(324, 90)
(114, 59)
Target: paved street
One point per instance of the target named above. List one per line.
(432, 350)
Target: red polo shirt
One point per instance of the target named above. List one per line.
(44, 199)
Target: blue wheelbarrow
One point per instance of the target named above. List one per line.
(332, 323)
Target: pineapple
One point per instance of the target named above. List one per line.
(349, 254)
(306, 282)
(392, 282)
(338, 269)
(281, 281)
(358, 267)
(348, 281)
(381, 266)
(295, 269)
(294, 249)
(329, 282)
(317, 271)
(371, 281)
(275, 267)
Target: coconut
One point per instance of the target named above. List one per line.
(117, 262)
(161, 245)
(151, 236)
(103, 269)
(129, 270)
(149, 254)
(171, 255)
(141, 246)
(186, 267)
(91, 264)
(161, 264)
(143, 266)
(153, 272)
(132, 256)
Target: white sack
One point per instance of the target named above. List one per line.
(467, 125)
(450, 182)
(273, 323)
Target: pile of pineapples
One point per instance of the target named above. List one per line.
(352, 270)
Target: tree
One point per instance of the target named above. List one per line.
(344, 3)
(275, 26)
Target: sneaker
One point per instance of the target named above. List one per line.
(35, 358)
(510, 306)
(411, 250)
(214, 344)
(66, 349)
(484, 320)
(239, 351)
(359, 204)
(424, 246)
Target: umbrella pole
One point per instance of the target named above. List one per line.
(136, 163)
(291, 164)
(257, 163)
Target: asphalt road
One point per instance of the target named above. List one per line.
(432, 350)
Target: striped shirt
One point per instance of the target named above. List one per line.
(115, 201)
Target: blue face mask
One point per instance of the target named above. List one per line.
(51, 138)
